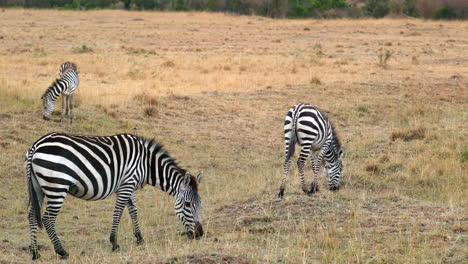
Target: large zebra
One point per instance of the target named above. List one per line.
(308, 126)
(65, 86)
(67, 66)
(93, 168)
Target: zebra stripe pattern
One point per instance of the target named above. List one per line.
(65, 86)
(67, 66)
(93, 168)
(308, 126)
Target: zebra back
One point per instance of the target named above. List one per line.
(67, 66)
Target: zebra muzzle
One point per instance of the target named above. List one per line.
(198, 233)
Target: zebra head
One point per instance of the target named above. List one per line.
(48, 106)
(188, 205)
(333, 170)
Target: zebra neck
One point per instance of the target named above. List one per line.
(164, 173)
(55, 90)
(332, 148)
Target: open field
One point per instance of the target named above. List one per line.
(214, 89)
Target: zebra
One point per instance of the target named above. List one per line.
(94, 167)
(308, 126)
(66, 86)
(67, 66)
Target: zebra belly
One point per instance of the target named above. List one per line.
(77, 192)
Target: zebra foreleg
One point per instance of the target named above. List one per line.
(70, 106)
(33, 229)
(286, 166)
(316, 163)
(133, 211)
(64, 106)
(122, 199)
(53, 208)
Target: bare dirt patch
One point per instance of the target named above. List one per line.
(206, 259)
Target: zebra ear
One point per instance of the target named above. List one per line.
(200, 177)
(187, 179)
(341, 151)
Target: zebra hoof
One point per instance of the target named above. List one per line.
(115, 248)
(63, 254)
(313, 189)
(281, 194)
(334, 188)
(35, 255)
(140, 242)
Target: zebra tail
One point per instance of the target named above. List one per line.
(292, 140)
(33, 195)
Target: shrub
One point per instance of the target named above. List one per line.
(315, 81)
(384, 55)
(169, 64)
(408, 135)
(445, 13)
(376, 8)
(179, 5)
(363, 108)
(307, 8)
(464, 155)
(427, 8)
(82, 49)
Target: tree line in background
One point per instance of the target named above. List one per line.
(433, 9)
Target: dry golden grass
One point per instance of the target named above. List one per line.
(214, 89)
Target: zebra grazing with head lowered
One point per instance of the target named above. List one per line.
(93, 168)
(66, 86)
(308, 126)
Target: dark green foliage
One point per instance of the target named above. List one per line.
(179, 5)
(445, 13)
(381, 8)
(410, 8)
(376, 8)
(308, 8)
(270, 8)
(144, 4)
(211, 5)
(464, 155)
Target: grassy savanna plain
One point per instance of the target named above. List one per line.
(214, 89)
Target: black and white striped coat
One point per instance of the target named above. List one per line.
(93, 168)
(65, 86)
(310, 128)
(67, 66)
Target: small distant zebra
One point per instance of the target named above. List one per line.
(310, 128)
(93, 168)
(67, 66)
(66, 86)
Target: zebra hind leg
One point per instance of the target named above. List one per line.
(286, 166)
(301, 164)
(33, 226)
(315, 168)
(54, 205)
(133, 211)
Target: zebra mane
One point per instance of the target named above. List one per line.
(336, 138)
(159, 148)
